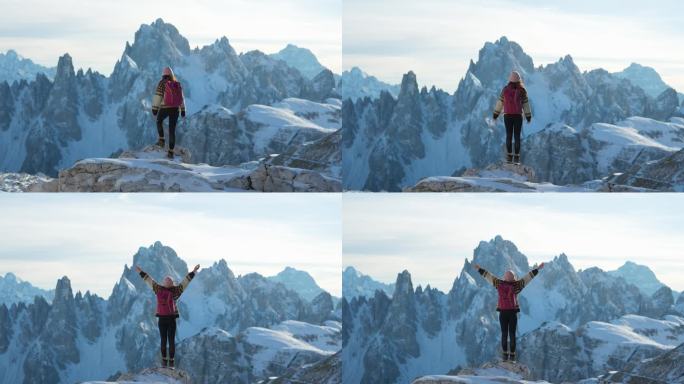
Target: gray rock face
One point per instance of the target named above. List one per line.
(327, 371)
(48, 125)
(665, 368)
(52, 343)
(390, 143)
(662, 175)
(386, 340)
(556, 353)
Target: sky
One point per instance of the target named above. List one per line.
(94, 33)
(90, 237)
(431, 235)
(438, 38)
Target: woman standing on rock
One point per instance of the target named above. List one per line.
(513, 101)
(507, 306)
(167, 310)
(168, 101)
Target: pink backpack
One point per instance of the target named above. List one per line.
(512, 100)
(173, 94)
(507, 298)
(166, 306)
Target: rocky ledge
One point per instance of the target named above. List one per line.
(500, 177)
(491, 372)
(149, 170)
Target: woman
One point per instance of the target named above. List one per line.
(167, 310)
(507, 306)
(168, 101)
(513, 100)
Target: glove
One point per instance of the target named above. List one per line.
(154, 112)
(183, 113)
(495, 115)
(529, 119)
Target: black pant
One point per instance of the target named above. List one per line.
(167, 331)
(513, 126)
(509, 321)
(172, 114)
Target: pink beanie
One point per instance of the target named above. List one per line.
(167, 71)
(514, 77)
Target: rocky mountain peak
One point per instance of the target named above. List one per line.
(63, 291)
(157, 44)
(65, 68)
(409, 85)
(496, 61)
(159, 261)
(403, 285)
(499, 255)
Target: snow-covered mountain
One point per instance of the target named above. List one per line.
(13, 290)
(424, 331)
(239, 329)
(14, 67)
(241, 107)
(645, 77)
(556, 353)
(585, 125)
(640, 275)
(356, 84)
(298, 281)
(300, 58)
(355, 284)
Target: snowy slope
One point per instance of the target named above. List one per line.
(357, 84)
(645, 77)
(640, 275)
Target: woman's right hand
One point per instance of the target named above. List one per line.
(476, 266)
(137, 268)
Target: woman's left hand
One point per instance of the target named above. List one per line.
(197, 267)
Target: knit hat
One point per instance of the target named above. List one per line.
(167, 71)
(514, 77)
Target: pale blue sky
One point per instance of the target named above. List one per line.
(437, 38)
(89, 237)
(95, 32)
(432, 234)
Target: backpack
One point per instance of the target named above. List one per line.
(512, 100)
(166, 306)
(507, 297)
(173, 94)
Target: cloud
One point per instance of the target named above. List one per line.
(437, 39)
(431, 235)
(48, 236)
(95, 35)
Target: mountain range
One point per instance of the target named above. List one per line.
(241, 107)
(238, 329)
(14, 67)
(574, 324)
(585, 125)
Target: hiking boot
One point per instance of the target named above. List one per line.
(509, 158)
(170, 154)
(511, 357)
(504, 356)
(161, 142)
(165, 362)
(172, 364)
(516, 159)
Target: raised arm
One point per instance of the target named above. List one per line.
(522, 283)
(493, 280)
(186, 281)
(147, 279)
